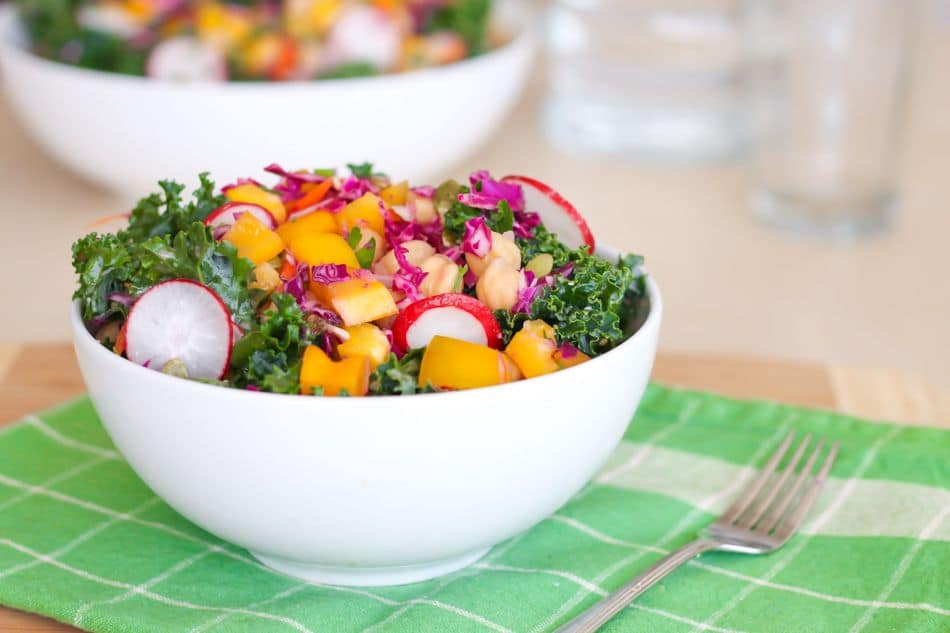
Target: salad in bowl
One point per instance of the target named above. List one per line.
(351, 284)
(220, 40)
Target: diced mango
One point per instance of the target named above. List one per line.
(532, 349)
(266, 278)
(449, 363)
(319, 370)
(316, 222)
(395, 194)
(254, 240)
(569, 357)
(317, 249)
(362, 212)
(357, 300)
(366, 340)
(249, 192)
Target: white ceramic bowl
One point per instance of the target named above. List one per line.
(369, 491)
(128, 132)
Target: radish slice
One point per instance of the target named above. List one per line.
(452, 314)
(180, 319)
(186, 59)
(364, 34)
(227, 214)
(559, 216)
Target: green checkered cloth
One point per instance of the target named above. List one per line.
(84, 541)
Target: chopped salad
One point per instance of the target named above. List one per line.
(216, 40)
(352, 284)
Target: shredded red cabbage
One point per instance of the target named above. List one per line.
(566, 270)
(568, 350)
(533, 287)
(453, 252)
(253, 388)
(122, 298)
(525, 224)
(239, 182)
(296, 286)
(409, 277)
(329, 273)
(353, 188)
(486, 193)
(427, 191)
(274, 168)
(477, 237)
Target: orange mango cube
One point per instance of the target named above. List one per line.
(319, 370)
(572, 358)
(366, 340)
(254, 240)
(316, 222)
(357, 300)
(266, 278)
(364, 212)
(396, 194)
(532, 349)
(316, 249)
(254, 194)
(449, 363)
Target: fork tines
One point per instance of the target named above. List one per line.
(776, 502)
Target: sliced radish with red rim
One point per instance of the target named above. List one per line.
(186, 59)
(559, 216)
(184, 320)
(227, 214)
(452, 314)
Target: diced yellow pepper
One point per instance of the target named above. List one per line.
(316, 222)
(366, 340)
(222, 25)
(449, 363)
(251, 193)
(319, 370)
(317, 249)
(532, 349)
(362, 212)
(395, 194)
(254, 240)
(357, 300)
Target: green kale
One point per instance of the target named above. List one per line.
(104, 265)
(458, 213)
(468, 18)
(362, 170)
(352, 70)
(588, 308)
(398, 376)
(164, 213)
(269, 355)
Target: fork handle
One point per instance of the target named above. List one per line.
(598, 615)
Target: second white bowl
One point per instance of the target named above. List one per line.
(128, 132)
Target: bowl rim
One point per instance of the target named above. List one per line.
(9, 21)
(82, 336)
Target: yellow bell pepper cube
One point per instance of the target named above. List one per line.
(449, 363)
(317, 249)
(253, 194)
(532, 349)
(396, 194)
(364, 212)
(366, 340)
(254, 240)
(319, 370)
(316, 222)
(357, 300)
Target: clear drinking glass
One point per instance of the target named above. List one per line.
(826, 82)
(654, 79)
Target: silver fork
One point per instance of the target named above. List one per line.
(764, 517)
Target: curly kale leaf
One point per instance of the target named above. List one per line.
(398, 375)
(457, 213)
(164, 213)
(589, 307)
(105, 266)
(269, 355)
(545, 241)
(468, 18)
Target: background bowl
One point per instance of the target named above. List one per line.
(369, 491)
(127, 132)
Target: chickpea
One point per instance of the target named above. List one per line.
(441, 277)
(418, 252)
(366, 235)
(422, 208)
(499, 285)
(501, 247)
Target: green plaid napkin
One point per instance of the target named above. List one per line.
(83, 540)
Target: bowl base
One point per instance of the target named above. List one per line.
(369, 576)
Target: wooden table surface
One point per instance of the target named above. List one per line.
(33, 377)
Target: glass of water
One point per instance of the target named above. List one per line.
(826, 85)
(645, 79)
